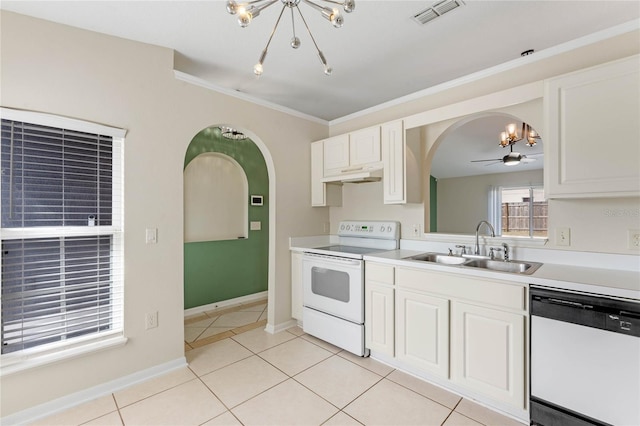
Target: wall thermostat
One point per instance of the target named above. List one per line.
(256, 200)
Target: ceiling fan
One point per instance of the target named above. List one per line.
(511, 159)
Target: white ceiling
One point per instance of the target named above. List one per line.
(380, 53)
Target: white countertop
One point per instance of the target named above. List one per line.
(604, 281)
(610, 282)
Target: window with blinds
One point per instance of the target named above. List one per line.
(61, 232)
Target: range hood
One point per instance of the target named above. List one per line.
(360, 176)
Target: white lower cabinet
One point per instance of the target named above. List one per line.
(379, 308)
(488, 352)
(462, 331)
(379, 318)
(422, 331)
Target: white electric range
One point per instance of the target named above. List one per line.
(333, 282)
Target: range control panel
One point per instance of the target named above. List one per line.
(369, 229)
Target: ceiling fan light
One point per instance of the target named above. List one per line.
(511, 159)
(512, 131)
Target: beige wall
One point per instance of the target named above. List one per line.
(61, 70)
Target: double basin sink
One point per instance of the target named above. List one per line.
(514, 266)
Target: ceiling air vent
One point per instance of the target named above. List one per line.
(437, 9)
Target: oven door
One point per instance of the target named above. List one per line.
(334, 285)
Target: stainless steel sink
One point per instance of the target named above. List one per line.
(440, 258)
(515, 266)
(512, 267)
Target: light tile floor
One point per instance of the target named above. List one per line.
(218, 324)
(290, 378)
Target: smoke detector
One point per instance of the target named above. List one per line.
(437, 9)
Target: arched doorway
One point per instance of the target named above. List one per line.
(235, 267)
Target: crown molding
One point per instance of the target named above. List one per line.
(188, 78)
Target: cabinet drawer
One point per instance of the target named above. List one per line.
(485, 291)
(379, 273)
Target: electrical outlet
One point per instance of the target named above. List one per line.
(633, 239)
(563, 236)
(151, 320)
(416, 230)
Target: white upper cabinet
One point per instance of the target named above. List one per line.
(401, 158)
(336, 154)
(322, 194)
(393, 160)
(352, 152)
(592, 146)
(364, 146)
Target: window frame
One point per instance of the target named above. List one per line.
(495, 209)
(28, 358)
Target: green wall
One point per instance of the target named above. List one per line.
(220, 270)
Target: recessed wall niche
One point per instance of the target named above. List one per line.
(216, 191)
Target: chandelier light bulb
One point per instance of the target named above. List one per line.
(244, 17)
(336, 19)
(232, 7)
(511, 130)
(504, 141)
(327, 70)
(349, 6)
(257, 69)
(295, 42)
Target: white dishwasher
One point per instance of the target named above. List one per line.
(585, 359)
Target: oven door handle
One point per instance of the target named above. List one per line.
(332, 259)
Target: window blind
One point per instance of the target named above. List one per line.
(55, 177)
(58, 288)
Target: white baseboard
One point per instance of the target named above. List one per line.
(231, 302)
(273, 329)
(72, 400)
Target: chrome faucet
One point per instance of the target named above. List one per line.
(476, 250)
(505, 247)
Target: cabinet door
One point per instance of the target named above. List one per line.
(296, 285)
(593, 128)
(422, 331)
(488, 352)
(364, 146)
(336, 154)
(379, 317)
(318, 194)
(393, 160)
(322, 194)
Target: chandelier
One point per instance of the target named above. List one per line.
(251, 9)
(231, 133)
(511, 136)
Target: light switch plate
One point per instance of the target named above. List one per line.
(151, 235)
(563, 236)
(255, 225)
